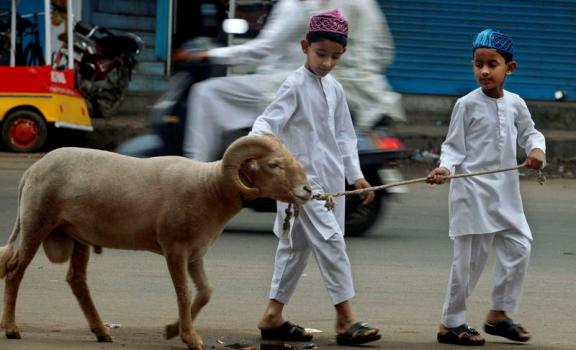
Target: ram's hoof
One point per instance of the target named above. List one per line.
(104, 338)
(196, 347)
(193, 340)
(199, 347)
(171, 331)
(13, 335)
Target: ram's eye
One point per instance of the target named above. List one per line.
(275, 163)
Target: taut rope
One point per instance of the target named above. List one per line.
(329, 197)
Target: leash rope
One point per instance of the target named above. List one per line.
(329, 197)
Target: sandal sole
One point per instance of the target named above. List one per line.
(358, 340)
(442, 338)
(490, 329)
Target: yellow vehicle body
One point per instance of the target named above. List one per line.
(34, 98)
(61, 110)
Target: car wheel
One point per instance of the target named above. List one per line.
(24, 131)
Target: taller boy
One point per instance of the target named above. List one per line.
(311, 116)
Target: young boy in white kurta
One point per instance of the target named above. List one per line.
(311, 116)
(486, 211)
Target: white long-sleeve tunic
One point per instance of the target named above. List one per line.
(311, 116)
(483, 135)
(276, 49)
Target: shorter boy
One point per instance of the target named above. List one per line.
(311, 117)
(486, 211)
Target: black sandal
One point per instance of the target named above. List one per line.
(287, 331)
(461, 335)
(507, 329)
(356, 334)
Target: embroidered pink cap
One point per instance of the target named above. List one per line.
(330, 21)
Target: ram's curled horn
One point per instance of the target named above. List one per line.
(243, 149)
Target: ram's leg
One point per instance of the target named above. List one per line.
(198, 275)
(176, 260)
(15, 273)
(76, 278)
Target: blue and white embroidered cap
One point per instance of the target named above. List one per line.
(491, 39)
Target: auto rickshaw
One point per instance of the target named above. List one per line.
(36, 99)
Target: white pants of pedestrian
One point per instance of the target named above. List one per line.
(292, 257)
(512, 252)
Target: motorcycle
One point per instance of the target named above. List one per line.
(104, 61)
(379, 150)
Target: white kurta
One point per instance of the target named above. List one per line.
(277, 46)
(483, 135)
(311, 116)
(216, 106)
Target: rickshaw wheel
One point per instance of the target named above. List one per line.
(24, 131)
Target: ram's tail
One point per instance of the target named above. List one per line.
(8, 253)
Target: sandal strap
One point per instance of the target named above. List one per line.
(515, 327)
(295, 329)
(464, 332)
(468, 334)
(358, 329)
(472, 331)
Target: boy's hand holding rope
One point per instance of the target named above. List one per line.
(329, 197)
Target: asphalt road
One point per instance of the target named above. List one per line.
(400, 271)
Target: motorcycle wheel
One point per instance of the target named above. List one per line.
(360, 218)
(24, 131)
(108, 103)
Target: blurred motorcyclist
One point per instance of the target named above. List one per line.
(230, 103)
(218, 105)
(362, 70)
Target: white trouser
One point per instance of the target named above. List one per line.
(512, 250)
(292, 256)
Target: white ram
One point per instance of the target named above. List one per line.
(75, 198)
